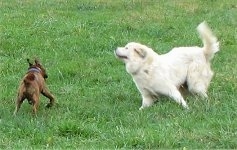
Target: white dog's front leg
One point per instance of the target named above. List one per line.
(147, 101)
(173, 92)
(176, 95)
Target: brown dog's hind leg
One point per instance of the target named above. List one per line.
(19, 101)
(35, 101)
(47, 94)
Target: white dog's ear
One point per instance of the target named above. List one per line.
(141, 52)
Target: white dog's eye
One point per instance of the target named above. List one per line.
(126, 47)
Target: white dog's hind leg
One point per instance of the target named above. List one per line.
(199, 78)
(200, 89)
(147, 101)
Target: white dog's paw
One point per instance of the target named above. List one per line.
(141, 108)
(185, 106)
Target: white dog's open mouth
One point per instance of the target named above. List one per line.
(120, 56)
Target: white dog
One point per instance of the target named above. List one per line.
(164, 74)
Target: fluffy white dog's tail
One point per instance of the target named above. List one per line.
(211, 45)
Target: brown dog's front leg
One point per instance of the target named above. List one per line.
(47, 94)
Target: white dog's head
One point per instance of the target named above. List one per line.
(133, 55)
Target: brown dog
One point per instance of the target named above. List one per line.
(32, 85)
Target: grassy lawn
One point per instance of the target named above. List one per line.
(97, 101)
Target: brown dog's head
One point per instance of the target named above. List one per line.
(37, 66)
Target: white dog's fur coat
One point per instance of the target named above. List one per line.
(164, 74)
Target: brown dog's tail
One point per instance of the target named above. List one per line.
(30, 77)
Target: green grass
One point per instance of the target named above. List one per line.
(97, 101)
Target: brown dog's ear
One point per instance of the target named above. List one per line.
(28, 60)
(141, 52)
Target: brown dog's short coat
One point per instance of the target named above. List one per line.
(32, 84)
